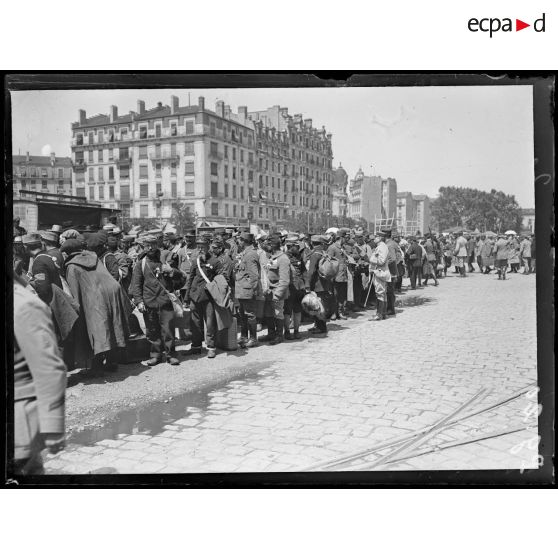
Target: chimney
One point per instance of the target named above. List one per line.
(52, 158)
(27, 156)
(243, 113)
(220, 108)
(174, 104)
(113, 113)
(159, 105)
(308, 122)
(227, 111)
(82, 117)
(201, 103)
(141, 107)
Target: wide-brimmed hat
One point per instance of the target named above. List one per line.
(56, 228)
(31, 239)
(49, 236)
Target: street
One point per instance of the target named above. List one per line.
(307, 402)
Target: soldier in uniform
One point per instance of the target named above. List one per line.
(361, 255)
(52, 248)
(297, 287)
(430, 264)
(460, 252)
(318, 284)
(39, 383)
(43, 272)
(247, 285)
(201, 304)
(151, 282)
(230, 243)
(340, 283)
(393, 251)
(381, 275)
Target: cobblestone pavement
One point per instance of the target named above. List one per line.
(368, 383)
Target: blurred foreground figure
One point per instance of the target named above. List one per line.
(39, 383)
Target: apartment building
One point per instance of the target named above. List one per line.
(47, 175)
(339, 200)
(224, 168)
(372, 198)
(413, 212)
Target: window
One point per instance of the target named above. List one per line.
(111, 135)
(44, 172)
(234, 173)
(91, 192)
(174, 129)
(143, 132)
(234, 153)
(234, 210)
(157, 151)
(143, 171)
(111, 192)
(214, 169)
(189, 167)
(79, 139)
(124, 172)
(189, 126)
(23, 184)
(100, 137)
(173, 168)
(158, 188)
(101, 192)
(124, 153)
(226, 171)
(212, 131)
(33, 184)
(174, 192)
(101, 174)
(80, 192)
(213, 148)
(242, 175)
(157, 130)
(91, 177)
(234, 191)
(226, 190)
(60, 173)
(226, 151)
(158, 170)
(111, 173)
(110, 154)
(260, 212)
(90, 137)
(242, 192)
(242, 211)
(226, 210)
(123, 132)
(214, 209)
(273, 182)
(173, 150)
(144, 210)
(189, 188)
(242, 156)
(214, 189)
(250, 176)
(143, 191)
(188, 149)
(143, 152)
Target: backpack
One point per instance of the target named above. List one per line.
(328, 267)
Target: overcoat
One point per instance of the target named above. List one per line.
(247, 274)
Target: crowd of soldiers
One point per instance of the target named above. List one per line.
(78, 295)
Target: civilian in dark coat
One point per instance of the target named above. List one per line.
(414, 258)
(297, 288)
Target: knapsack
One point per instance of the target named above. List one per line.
(328, 267)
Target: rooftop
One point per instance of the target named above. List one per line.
(41, 160)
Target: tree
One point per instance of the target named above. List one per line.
(182, 217)
(475, 209)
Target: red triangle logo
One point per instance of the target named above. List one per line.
(519, 25)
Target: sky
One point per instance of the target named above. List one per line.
(424, 137)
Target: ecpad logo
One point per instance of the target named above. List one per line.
(494, 24)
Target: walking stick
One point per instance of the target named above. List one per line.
(369, 289)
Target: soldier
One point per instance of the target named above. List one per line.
(502, 252)
(231, 246)
(278, 275)
(21, 258)
(393, 249)
(247, 285)
(52, 248)
(201, 304)
(340, 283)
(429, 248)
(151, 282)
(399, 261)
(318, 284)
(39, 383)
(43, 272)
(361, 254)
(460, 252)
(297, 287)
(381, 275)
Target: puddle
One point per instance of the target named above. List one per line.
(151, 419)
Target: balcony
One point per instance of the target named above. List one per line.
(163, 156)
(79, 165)
(121, 160)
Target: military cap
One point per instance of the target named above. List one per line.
(169, 236)
(247, 237)
(386, 231)
(49, 236)
(216, 243)
(115, 231)
(343, 231)
(112, 242)
(31, 239)
(56, 229)
(202, 240)
(359, 234)
(18, 240)
(381, 233)
(95, 241)
(109, 227)
(229, 231)
(128, 238)
(191, 232)
(292, 238)
(148, 239)
(302, 236)
(317, 239)
(261, 236)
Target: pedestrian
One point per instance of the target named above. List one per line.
(533, 253)
(471, 243)
(202, 306)
(336, 250)
(20, 259)
(400, 261)
(153, 283)
(102, 328)
(381, 275)
(278, 275)
(430, 261)
(297, 288)
(52, 248)
(525, 254)
(393, 250)
(317, 283)
(478, 250)
(513, 255)
(487, 255)
(414, 259)
(361, 254)
(246, 287)
(501, 255)
(39, 383)
(461, 253)
(43, 270)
